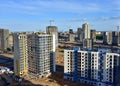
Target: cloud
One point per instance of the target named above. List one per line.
(117, 9)
(107, 18)
(38, 7)
(77, 20)
(45, 6)
(115, 17)
(65, 11)
(116, 2)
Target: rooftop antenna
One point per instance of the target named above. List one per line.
(50, 21)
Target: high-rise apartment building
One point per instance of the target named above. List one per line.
(107, 37)
(116, 38)
(41, 54)
(119, 38)
(34, 54)
(20, 54)
(4, 34)
(96, 68)
(53, 30)
(87, 41)
(10, 41)
(71, 31)
(79, 33)
(93, 35)
(86, 31)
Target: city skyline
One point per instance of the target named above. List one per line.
(18, 15)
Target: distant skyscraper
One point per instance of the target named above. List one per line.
(4, 34)
(93, 35)
(71, 31)
(20, 54)
(119, 38)
(71, 37)
(116, 38)
(107, 37)
(53, 30)
(41, 55)
(10, 40)
(79, 33)
(87, 41)
(86, 31)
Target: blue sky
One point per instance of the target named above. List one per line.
(33, 15)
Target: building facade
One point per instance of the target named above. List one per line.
(4, 34)
(20, 54)
(34, 54)
(41, 55)
(86, 31)
(93, 35)
(71, 31)
(79, 33)
(107, 37)
(53, 30)
(63, 36)
(96, 68)
(116, 38)
(71, 37)
(118, 35)
(88, 43)
(10, 41)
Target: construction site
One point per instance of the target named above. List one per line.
(55, 79)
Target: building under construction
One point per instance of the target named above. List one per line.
(41, 54)
(34, 54)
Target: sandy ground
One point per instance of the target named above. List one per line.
(60, 57)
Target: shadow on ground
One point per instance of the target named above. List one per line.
(6, 62)
(59, 78)
(6, 79)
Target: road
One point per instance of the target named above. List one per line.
(6, 61)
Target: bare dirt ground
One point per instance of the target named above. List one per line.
(60, 57)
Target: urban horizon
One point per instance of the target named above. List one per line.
(59, 43)
(36, 15)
